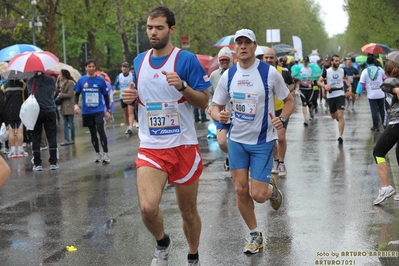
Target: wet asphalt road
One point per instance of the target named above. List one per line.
(327, 211)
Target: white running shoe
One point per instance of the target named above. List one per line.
(384, 194)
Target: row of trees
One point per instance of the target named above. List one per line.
(371, 21)
(114, 28)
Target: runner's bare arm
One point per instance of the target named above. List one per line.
(220, 114)
(196, 98)
(4, 171)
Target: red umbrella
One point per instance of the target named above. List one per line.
(106, 77)
(204, 60)
(225, 41)
(33, 61)
(214, 63)
(376, 48)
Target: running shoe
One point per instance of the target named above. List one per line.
(275, 167)
(254, 243)
(340, 140)
(193, 263)
(282, 172)
(311, 112)
(396, 197)
(66, 143)
(384, 194)
(37, 168)
(98, 158)
(54, 167)
(277, 197)
(106, 158)
(22, 153)
(226, 165)
(12, 154)
(306, 123)
(161, 255)
(129, 131)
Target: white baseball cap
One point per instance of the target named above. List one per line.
(245, 33)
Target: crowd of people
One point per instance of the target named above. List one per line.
(250, 101)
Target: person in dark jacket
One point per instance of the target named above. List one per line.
(43, 87)
(3, 119)
(15, 95)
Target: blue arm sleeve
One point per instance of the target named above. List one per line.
(116, 84)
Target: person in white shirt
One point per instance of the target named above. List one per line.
(169, 81)
(332, 81)
(371, 79)
(251, 86)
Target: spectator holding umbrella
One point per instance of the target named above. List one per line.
(43, 87)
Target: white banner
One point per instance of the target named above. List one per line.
(273, 36)
(297, 43)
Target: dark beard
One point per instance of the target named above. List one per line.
(162, 43)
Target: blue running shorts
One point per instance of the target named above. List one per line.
(257, 158)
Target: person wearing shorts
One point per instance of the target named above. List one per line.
(122, 82)
(306, 90)
(251, 85)
(353, 75)
(15, 93)
(168, 82)
(280, 147)
(332, 81)
(95, 94)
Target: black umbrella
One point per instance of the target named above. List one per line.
(283, 49)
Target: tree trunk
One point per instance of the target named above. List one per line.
(125, 46)
(51, 29)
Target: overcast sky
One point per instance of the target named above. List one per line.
(334, 17)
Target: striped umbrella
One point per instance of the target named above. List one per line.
(33, 61)
(376, 48)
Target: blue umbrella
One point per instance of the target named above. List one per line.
(9, 52)
(225, 41)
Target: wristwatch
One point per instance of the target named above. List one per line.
(109, 110)
(183, 85)
(282, 119)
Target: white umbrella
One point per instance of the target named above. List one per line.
(393, 56)
(260, 49)
(73, 71)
